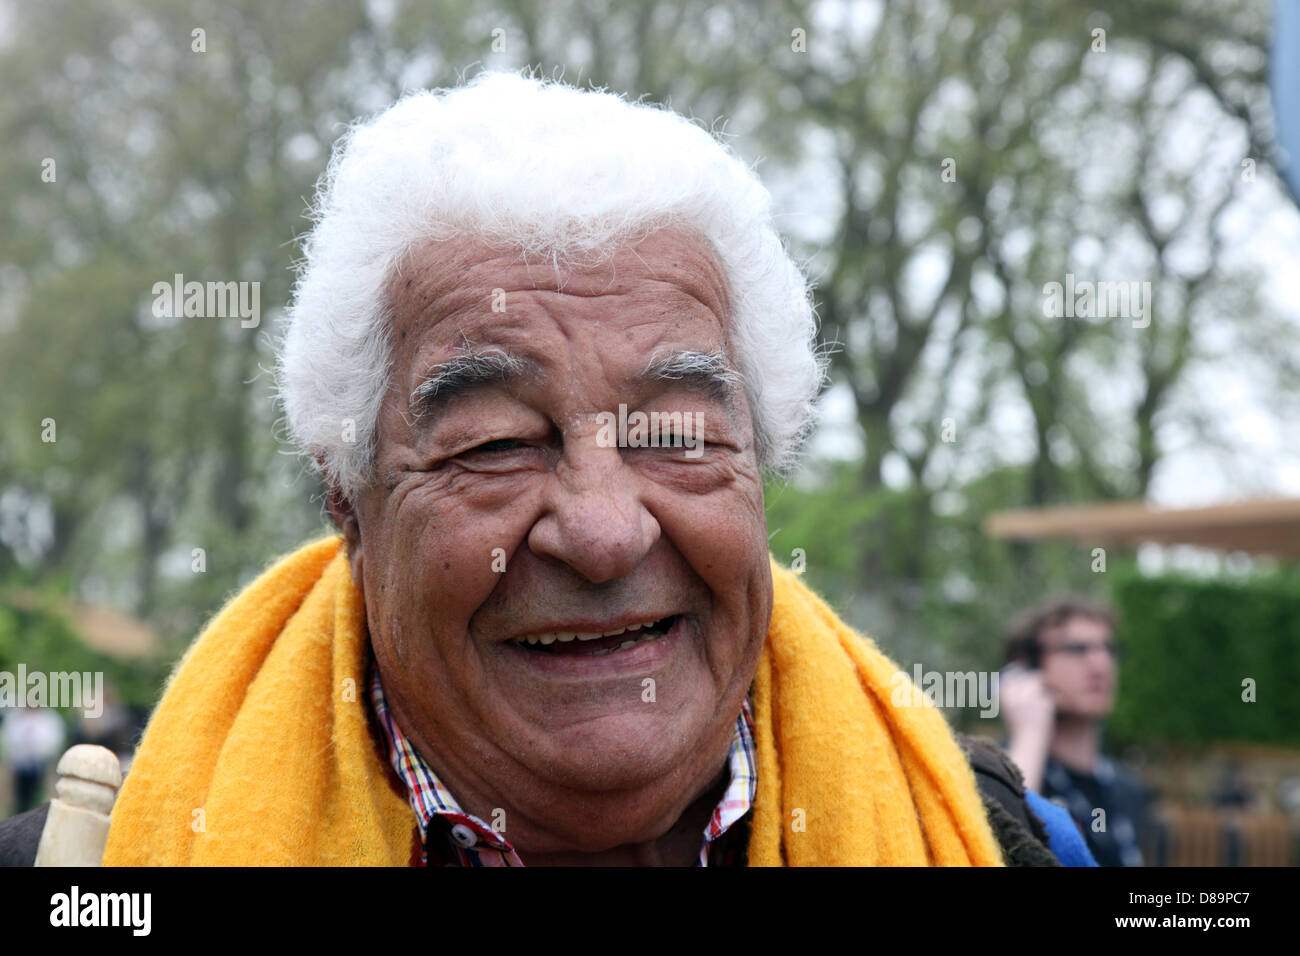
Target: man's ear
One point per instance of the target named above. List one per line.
(345, 517)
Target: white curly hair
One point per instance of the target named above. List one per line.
(559, 173)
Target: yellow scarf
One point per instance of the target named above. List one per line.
(260, 751)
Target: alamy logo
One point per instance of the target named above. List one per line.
(72, 689)
(946, 689)
(651, 430)
(1098, 300)
(102, 909)
(208, 300)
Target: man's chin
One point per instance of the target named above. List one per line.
(1091, 710)
(616, 752)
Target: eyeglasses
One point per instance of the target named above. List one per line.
(1080, 649)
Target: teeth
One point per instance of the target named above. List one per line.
(626, 644)
(565, 637)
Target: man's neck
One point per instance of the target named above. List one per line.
(1076, 743)
(680, 846)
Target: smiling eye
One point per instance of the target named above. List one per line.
(497, 444)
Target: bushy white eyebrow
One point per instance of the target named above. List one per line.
(708, 372)
(470, 369)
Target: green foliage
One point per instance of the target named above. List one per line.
(952, 597)
(39, 637)
(1188, 646)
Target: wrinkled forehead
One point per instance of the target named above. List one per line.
(442, 280)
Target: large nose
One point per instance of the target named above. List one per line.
(594, 519)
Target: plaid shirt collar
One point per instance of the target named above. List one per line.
(460, 839)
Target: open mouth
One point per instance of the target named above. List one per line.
(596, 645)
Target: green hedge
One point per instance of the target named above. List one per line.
(1188, 646)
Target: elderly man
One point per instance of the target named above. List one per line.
(543, 346)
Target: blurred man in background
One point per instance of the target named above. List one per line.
(1057, 691)
(31, 738)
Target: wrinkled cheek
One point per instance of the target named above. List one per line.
(746, 623)
(733, 561)
(399, 587)
(386, 612)
(438, 580)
